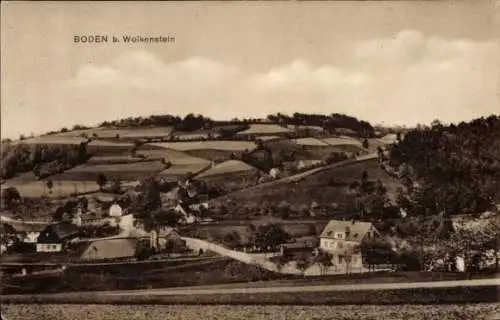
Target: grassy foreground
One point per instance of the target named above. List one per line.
(154, 312)
(453, 295)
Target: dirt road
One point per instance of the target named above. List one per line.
(307, 288)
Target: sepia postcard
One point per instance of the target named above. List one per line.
(250, 160)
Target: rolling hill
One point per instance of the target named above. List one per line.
(325, 187)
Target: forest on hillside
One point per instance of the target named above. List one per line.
(328, 122)
(449, 169)
(192, 122)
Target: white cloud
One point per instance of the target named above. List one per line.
(408, 78)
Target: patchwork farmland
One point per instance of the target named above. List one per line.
(216, 151)
(180, 163)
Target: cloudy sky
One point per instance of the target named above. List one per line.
(385, 62)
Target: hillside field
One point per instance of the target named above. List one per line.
(179, 171)
(128, 171)
(113, 159)
(342, 140)
(310, 142)
(123, 133)
(200, 145)
(264, 129)
(52, 140)
(316, 187)
(227, 167)
(61, 188)
(103, 147)
(229, 181)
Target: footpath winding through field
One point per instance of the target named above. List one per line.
(262, 261)
(197, 244)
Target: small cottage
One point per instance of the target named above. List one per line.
(300, 245)
(115, 210)
(167, 239)
(54, 237)
(187, 212)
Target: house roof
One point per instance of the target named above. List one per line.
(164, 232)
(64, 230)
(185, 207)
(109, 249)
(357, 229)
(302, 243)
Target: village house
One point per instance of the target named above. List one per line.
(166, 239)
(185, 210)
(55, 236)
(341, 238)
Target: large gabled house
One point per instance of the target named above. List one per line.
(341, 238)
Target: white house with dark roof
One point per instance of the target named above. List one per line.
(341, 238)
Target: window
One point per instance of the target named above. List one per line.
(347, 231)
(340, 245)
(340, 259)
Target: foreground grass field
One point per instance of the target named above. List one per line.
(427, 296)
(175, 273)
(154, 312)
